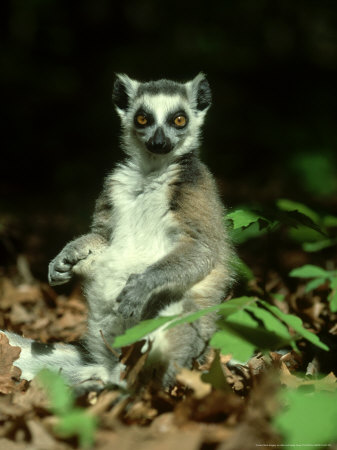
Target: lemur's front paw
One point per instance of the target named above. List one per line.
(133, 297)
(60, 269)
(59, 272)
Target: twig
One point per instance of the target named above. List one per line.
(108, 346)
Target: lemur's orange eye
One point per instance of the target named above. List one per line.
(141, 119)
(180, 121)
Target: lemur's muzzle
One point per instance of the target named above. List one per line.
(159, 143)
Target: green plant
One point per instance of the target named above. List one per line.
(319, 277)
(307, 419)
(245, 324)
(73, 421)
(305, 226)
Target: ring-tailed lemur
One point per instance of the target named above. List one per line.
(157, 244)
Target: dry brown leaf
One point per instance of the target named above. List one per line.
(146, 439)
(109, 419)
(28, 293)
(251, 435)
(140, 412)
(8, 372)
(288, 379)
(8, 444)
(34, 397)
(40, 438)
(164, 423)
(218, 406)
(328, 383)
(237, 376)
(103, 402)
(192, 380)
(8, 409)
(40, 323)
(70, 320)
(7, 293)
(19, 314)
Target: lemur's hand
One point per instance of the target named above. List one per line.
(133, 297)
(60, 269)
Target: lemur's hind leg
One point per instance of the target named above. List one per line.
(183, 346)
(178, 347)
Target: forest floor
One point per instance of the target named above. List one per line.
(193, 415)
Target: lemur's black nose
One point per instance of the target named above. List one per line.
(159, 143)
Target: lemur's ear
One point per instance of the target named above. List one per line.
(201, 92)
(124, 89)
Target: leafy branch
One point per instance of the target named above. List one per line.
(319, 277)
(313, 231)
(245, 324)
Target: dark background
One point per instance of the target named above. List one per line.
(270, 133)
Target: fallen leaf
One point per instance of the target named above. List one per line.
(35, 397)
(8, 372)
(9, 444)
(141, 413)
(192, 380)
(328, 383)
(218, 406)
(40, 438)
(103, 402)
(19, 314)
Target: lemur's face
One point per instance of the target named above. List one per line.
(161, 122)
(162, 115)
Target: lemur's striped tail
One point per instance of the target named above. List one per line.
(69, 360)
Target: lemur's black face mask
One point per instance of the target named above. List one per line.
(161, 137)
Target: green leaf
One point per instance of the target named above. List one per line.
(215, 376)
(241, 268)
(72, 421)
(225, 309)
(313, 284)
(241, 235)
(233, 344)
(277, 296)
(60, 395)
(241, 334)
(330, 221)
(78, 423)
(290, 205)
(302, 235)
(271, 324)
(308, 419)
(296, 324)
(243, 218)
(333, 282)
(137, 332)
(309, 271)
(318, 245)
(332, 297)
(146, 327)
(296, 219)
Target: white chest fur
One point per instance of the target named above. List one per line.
(143, 230)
